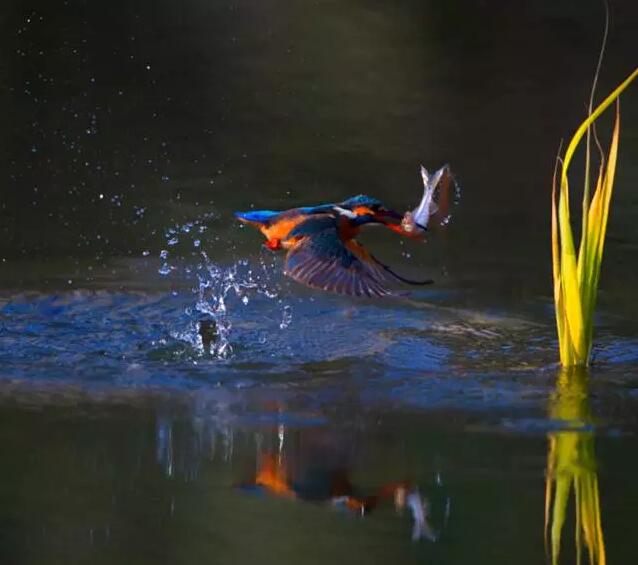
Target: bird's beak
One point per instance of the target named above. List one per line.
(398, 228)
(385, 216)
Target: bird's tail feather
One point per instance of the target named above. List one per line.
(256, 216)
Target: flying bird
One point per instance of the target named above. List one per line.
(322, 251)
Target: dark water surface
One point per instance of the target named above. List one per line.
(133, 130)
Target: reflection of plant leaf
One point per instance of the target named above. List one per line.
(571, 462)
(561, 498)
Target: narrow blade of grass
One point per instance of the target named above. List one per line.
(575, 276)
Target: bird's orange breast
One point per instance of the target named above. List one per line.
(281, 228)
(359, 251)
(346, 230)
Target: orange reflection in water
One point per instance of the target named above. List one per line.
(305, 475)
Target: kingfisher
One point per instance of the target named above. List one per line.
(322, 251)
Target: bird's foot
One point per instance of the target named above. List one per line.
(273, 244)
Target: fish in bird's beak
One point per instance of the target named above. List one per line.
(415, 222)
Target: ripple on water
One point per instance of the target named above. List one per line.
(414, 352)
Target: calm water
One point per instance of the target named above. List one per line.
(135, 129)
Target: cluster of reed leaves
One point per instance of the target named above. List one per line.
(571, 465)
(576, 276)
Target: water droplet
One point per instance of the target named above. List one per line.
(163, 254)
(173, 241)
(165, 269)
(286, 317)
(146, 253)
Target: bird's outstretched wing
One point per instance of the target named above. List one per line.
(319, 258)
(381, 270)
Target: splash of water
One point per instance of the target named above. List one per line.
(216, 291)
(286, 317)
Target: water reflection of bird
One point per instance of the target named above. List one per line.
(335, 487)
(321, 248)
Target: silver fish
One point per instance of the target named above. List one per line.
(417, 220)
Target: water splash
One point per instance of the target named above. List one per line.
(286, 317)
(217, 290)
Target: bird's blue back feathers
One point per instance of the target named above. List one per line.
(361, 200)
(265, 216)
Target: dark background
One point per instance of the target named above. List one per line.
(123, 119)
